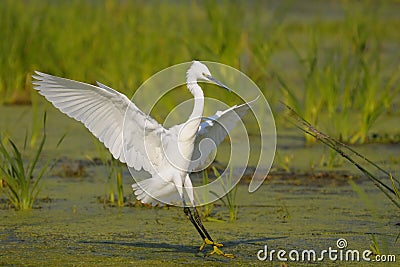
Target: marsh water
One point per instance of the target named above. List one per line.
(308, 207)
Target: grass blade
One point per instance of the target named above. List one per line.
(339, 147)
(23, 186)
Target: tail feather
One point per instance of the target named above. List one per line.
(155, 191)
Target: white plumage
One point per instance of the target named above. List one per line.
(140, 141)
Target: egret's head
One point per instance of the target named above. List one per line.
(198, 71)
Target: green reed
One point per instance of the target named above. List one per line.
(19, 173)
(206, 210)
(339, 69)
(230, 198)
(343, 82)
(389, 186)
(114, 174)
(115, 182)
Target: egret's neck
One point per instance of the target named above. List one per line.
(197, 112)
(190, 128)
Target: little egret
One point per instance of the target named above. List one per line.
(147, 145)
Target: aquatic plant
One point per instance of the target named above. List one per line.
(340, 90)
(282, 210)
(18, 173)
(205, 210)
(389, 185)
(396, 189)
(114, 174)
(347, 71)
(284, 161)
(369, 202)
(375, 248)
(229, 199)
(343, 86)
(115, 182)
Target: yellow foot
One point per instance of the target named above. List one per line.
(216, 249)
(219, 252)
(209, 242)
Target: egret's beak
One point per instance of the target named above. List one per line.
(212, 79)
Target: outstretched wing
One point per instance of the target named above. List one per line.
(102, 110)
(215, 129)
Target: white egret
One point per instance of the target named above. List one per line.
(147, 145)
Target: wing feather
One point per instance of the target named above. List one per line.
(102, 110)
(215, 128)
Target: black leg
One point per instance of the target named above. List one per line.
(190, 216)
(200, 224)
(207, 240)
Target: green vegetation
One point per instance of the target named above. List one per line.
(345, 82)
(20, 182)
(205, 210)
(387, 184)
(115, 192)
(115, 181)
(229, 199)
(282, 211)
(334, 65)
(335, 62)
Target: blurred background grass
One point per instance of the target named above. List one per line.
(336, 62)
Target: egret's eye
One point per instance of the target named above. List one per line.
(207, 76)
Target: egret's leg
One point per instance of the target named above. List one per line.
(186, 209)
(189, 214)
(193, 221)
(196, 221)
(189, 190)
(209, 240)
